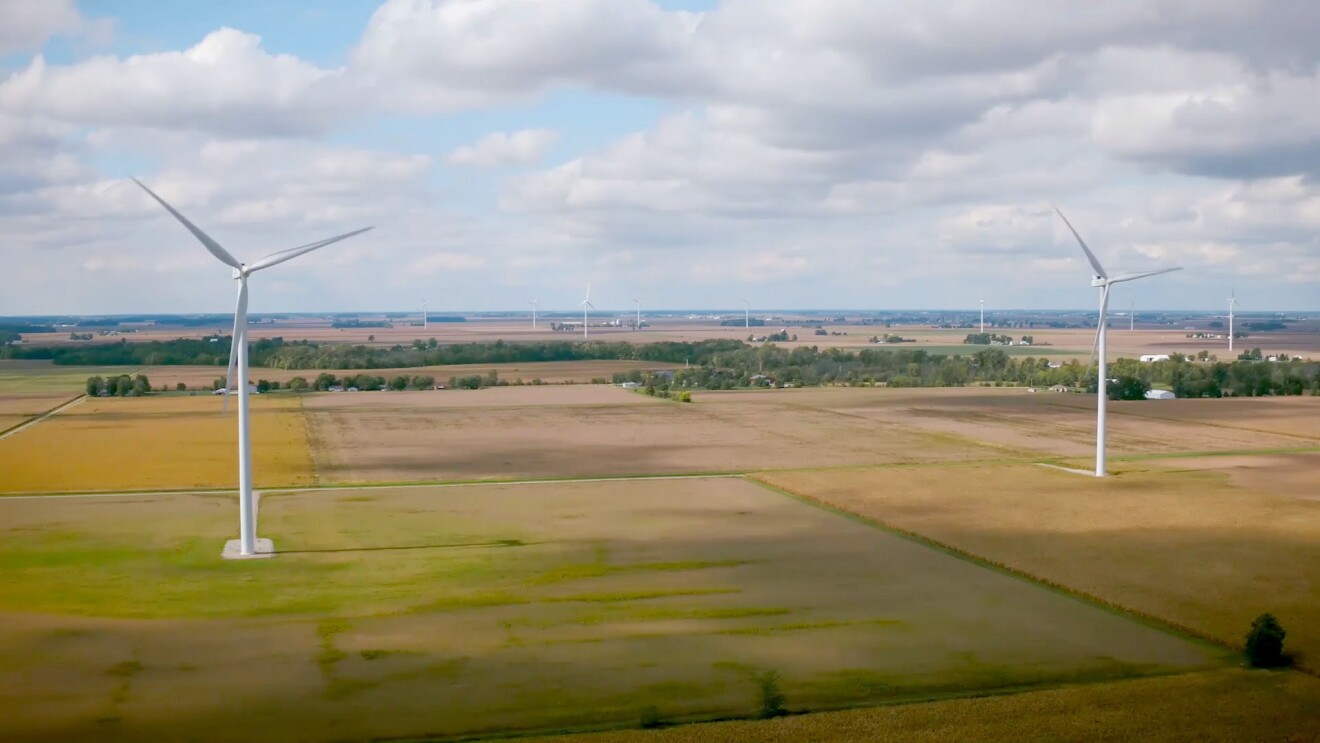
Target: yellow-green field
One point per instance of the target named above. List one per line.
(154, 443)
(945, 562)
(1188, 547)
(494, 607)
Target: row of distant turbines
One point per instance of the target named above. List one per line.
(637, 323)
(249, 546)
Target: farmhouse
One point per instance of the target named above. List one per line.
(1153, 357)
(1160, 395)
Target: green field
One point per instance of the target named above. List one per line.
(498, 607)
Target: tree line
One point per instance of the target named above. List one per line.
(725, 364)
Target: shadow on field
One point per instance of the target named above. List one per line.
(455, 546)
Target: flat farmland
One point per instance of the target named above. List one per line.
(595, 430)
(1192, 548)
(1225, 705)
(153, 443)
(1047, 424)
(459, 610)
(25, 377)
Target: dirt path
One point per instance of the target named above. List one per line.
(42, 417)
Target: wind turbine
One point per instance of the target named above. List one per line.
(747, 314)
(425, 321)
(1232, 305)
(982, 315)
(1132, 317)
(638, 302)
(586, 302)
(1104, 282)
(238, 358)
(534, 303)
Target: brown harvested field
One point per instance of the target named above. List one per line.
(595, 430)
(418, 612)
(1063, 425)
(1188, 547)
(29, 404)
(1216, 706)
(1288, 475)
(154, 443)
(550, 372)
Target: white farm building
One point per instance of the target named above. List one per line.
(1160, 395)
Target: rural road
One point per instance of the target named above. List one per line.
(43, 417)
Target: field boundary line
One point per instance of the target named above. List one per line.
(41, 417)
(1151, 620)
(285, 489)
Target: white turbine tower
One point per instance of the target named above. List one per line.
(1104, 282)
(425, 320)
(747, 314)
(1132, 317)
(238, 359)
(638, 302)
(1232, 305)
(586, 302)
(982, 315)
(534, 303)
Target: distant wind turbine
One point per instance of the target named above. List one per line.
(1232, 305)
(747, 314)
(238, 358)
(1104, 282)
(638, 302)
(1132, 317)
(425, 321)
(586, 302)
(534, 303)
(982, 315)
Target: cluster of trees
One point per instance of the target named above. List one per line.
(891, 338)
(990, 339)
(755, 322)
(118, 386)
(80, 336)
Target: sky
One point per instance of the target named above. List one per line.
(862, 154)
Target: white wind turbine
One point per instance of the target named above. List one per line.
(425, 319)
(1232, 305)
(982, 315)
(238, 359)
(534, 303)
(747, 314)
(586, 302)
(1104, 282)
(637, 301)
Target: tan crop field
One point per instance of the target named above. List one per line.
(453, 610)
(1215, 706)
(153, 443)
(1188, 547)
(1062, 424)
(595, 430)
(28, 405)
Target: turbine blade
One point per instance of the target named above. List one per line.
(1141, 275)
(240, 337)
(205, 239)
(234, 340)
(1099, 328)
(589, 304)
(276, 258)
(1099, 269)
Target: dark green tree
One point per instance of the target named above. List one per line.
(1264, 644)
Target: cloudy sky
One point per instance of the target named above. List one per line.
(800, 153)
